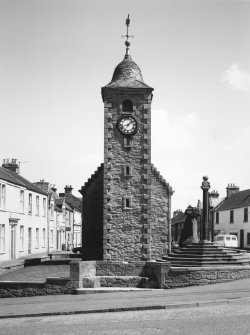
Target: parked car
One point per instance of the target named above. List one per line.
(227, 240)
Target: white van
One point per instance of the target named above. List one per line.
(227, 240)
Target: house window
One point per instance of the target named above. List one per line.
(21, 238)
(2, 196)
(52, 211)
(245, 214)
(30, 204)
(217, 217)
(2, 237)
(21, 201)
(248, 238)
(44, 206)
(44, 237)
(127, 106)
(37, 237)
(51, 238)
(231, 216)
(37, 205)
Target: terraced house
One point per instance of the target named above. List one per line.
(23, 214)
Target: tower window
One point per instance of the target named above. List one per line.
(128, 142)
(128, 202)
(127, 106)
(128, 170)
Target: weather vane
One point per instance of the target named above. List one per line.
(127, 43)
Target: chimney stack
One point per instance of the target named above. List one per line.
(231, 189)
(68, 189)
(11, 164)
(43, 185)
(214, 194)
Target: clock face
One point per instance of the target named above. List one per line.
(127, 125)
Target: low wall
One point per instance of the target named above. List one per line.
(114, 274)
(182, 277)
(118, 274)
(52, 286)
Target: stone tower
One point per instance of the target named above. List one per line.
(126, 203)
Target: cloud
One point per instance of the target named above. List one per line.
(173, 132)
(236, 78)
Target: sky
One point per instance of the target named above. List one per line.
(55, 55)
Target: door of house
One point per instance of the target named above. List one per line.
(29, 240)
(12, 241)
(242, 238)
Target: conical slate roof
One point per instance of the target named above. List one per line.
(127, 74)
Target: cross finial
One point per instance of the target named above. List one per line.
(127, 43)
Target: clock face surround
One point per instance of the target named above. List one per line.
(127, 125)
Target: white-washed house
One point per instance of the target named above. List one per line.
(23, 214)
(232, 215)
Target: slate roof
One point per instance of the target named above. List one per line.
(73, 201)
(178, 218)
(237, 200)
(15, 178)
(127, 74)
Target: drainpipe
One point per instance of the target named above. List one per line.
(48, 220)
(169, 221)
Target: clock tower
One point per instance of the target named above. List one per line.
(130, 218)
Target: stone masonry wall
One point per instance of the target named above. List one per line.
(159, 216)
(191, 277)
(52, 286)
(126, 230)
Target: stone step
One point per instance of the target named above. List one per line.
(205, 259)
(211, 256)
(207, 263)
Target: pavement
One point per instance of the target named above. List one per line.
(126, 299)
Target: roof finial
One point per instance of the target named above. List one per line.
(127, 43)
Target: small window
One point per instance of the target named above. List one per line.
(52, 212)
(128, 170)
(44, 237)
(37, 237)
(21, 238)
(234, 238)
(217, 217)
(44, 206)
(248, 238)
(2, 237)
(127, 202)
(21, 201)
(232, 216)
(128, 142)
(228, 238)
(245, 214)
(37, 205)
(51, 238)
(127, 106)
(30, 204)
(3, 196)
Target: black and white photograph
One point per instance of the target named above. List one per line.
(124, 167)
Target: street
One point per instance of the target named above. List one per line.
(233, 318)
